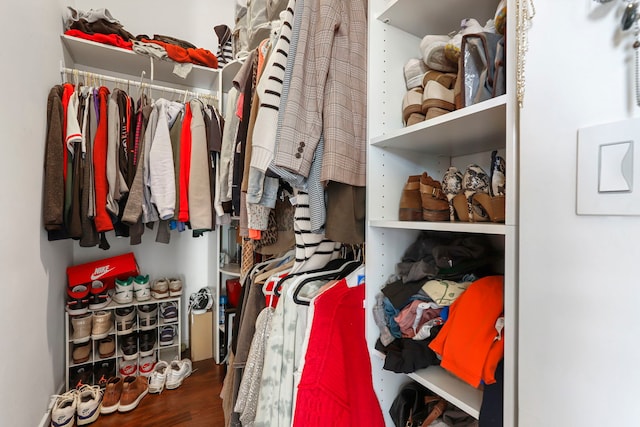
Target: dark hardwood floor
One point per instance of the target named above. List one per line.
(196, 403)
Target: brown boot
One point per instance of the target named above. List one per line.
(434, 202)
(410, 201)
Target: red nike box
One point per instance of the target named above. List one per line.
(106, 270)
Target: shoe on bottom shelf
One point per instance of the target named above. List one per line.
(147, 364)
(177, 372)
(134, 389)
(88, 404)
(63, 413)
(103, 371)
(128, 367)
(79, 375)
(158, 377)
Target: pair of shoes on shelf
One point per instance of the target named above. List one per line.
(434, 97)
(143, 366)
(476, 196)
(81, 406)
(96, 325)
(166, 287)
(137, 286)
(423, 200)
(123, 394)
(470, 197)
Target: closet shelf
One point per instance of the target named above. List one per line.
(454, 390)
(231, 270)
(89, 55)
(416, 16)
(474, 129)
(464, 227)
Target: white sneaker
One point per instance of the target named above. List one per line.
(124, 291)
(63, 413)
(175, 287)
(128, 367)
(178, 371)
(147, 364)
(88, 404)
(158, 377)
(160, 289)
(142, 288)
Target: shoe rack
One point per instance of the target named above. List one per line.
(458, 138)
(160, 351)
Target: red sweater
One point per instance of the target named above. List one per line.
(102, 218)
(336, 389)
(185, 165)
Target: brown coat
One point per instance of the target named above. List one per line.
(53, 203)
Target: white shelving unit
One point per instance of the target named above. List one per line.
(228, 270)
(91, 56)
(160, 352)
(459, 138)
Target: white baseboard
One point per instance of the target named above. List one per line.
(46, 418)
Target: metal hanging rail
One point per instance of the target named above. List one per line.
(101, 77)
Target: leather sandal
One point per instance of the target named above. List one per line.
(434, 201)
(411, 104)
(436, 95)
(492, 205)
(447, 80)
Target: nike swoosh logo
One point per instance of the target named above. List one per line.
(101, 271)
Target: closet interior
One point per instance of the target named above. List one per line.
(303, 276)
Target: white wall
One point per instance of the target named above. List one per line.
(579, 350)
(33, 269)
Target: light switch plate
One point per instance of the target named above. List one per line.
(608, 157)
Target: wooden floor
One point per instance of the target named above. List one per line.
(196, 403)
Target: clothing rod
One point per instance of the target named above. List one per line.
(73, 71)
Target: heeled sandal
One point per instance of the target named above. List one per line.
(475, 181)
(452, 186)
(493, 203)
(434, 203)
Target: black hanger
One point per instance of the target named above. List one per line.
(334, 264)
(341, 273)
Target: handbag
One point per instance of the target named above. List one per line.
(481, 70)
(414, 406)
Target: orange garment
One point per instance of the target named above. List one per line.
(254, 234)
(196, 56)
(185, 165)
(467, 342)
(102, 219)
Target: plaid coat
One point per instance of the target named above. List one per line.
(327, 93)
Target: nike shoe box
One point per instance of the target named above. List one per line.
(106, 270)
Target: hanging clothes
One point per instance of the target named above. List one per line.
(336, 387)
